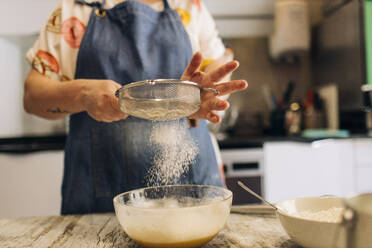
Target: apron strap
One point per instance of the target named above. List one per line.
(96, 4)
(166, 5)
(100, 5)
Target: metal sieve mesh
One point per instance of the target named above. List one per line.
(161, 99)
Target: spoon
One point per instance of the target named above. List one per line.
(256, 195)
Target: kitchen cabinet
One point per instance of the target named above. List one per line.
(328, 167)
(242, 18)
(255, 18)
(363, 165)
(30, 184)
(240, 7)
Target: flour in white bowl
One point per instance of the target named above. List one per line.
(333, 215)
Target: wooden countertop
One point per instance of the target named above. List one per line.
(248, 226)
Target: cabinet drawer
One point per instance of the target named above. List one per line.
(363, 152)
(364, 180)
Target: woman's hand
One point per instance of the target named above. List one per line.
(99, 100)
(209, 101)
(53, 100)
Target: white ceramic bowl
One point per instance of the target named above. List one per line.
(173, 216)
(311, 233)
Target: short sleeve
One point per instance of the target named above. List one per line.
(54, 53)
(211, 45)
(44, 54)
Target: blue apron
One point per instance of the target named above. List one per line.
(127, 43)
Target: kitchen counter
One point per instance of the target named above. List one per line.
(258, 142)
(32, 144)
(249, 226)
(55, 143)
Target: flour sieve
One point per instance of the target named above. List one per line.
(161, 99)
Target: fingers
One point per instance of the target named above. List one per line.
(231, 87)
(116, 108)
(213, 117)
(193, 66)
(208, 110)
(217, 104)
(197, 77)
(107, 117)
(222, 71)
(100, 102)
(112, 112)
(108, 110)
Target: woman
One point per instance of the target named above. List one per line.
(113, 44)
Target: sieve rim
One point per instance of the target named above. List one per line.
(228, 194)
(153, 81)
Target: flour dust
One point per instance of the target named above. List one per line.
(175, 150)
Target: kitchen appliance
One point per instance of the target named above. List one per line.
(161, 99)
(256, 195)
(291, 36)
(342, 55)
(246, 164)
(173, 216)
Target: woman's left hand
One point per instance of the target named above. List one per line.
(209, 102)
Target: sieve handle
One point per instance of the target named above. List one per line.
(216, 92)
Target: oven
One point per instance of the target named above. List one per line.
(246, 165)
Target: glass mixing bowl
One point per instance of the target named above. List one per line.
(173, 216)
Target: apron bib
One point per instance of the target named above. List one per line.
(127, 43)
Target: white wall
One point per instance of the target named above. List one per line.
(13, 71)
(20, 23)
(24, 17)
(30, 185)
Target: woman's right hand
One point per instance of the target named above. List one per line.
(99, 101)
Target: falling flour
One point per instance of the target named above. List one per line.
(175, 150)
